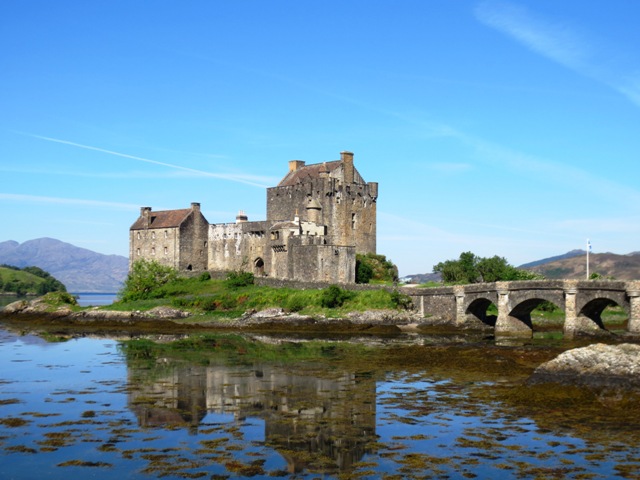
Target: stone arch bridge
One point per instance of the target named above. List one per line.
(582, 302)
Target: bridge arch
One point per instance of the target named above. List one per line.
(477, 311)
(590, 303)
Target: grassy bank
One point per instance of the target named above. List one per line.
(221, 298)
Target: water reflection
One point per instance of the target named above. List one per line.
(306, 416)
(231, 407)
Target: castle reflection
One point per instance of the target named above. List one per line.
(308, 413)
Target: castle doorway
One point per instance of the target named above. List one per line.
(258, 267)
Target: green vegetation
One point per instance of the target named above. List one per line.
(470, 268)
(145, 280)
(28, 281)
(150, 285)
(375, 268)
(206, 348)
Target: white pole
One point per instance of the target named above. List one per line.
(588, 248)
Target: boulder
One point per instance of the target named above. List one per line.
(595, 365)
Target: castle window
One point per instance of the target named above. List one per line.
(138, 252)
(138, 235)
(353, 221)
(166, 251)
(153, 251)
(166, 234)
(205, 244)
(153, 235)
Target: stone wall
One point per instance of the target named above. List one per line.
(193, 243)
(161, 245)
(239, 246)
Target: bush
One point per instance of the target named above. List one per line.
(364, 272)
(204, 276)
(400, 300)
(145, 278)
(334, 297)
(295, 303)
(239, 279)
(376, 267)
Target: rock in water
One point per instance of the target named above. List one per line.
(595, 365)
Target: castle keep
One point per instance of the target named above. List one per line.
(318, 217)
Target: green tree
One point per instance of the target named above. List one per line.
(364, 272)
(377, 267)
(145, 277)
(470, 268)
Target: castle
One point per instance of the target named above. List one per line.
(318, 217)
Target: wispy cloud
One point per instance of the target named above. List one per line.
(450, 168)
(252, 180)
(563, 43)
(17, 197)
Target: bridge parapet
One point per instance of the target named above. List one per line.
(583, 301)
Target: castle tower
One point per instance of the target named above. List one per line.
(347, 204)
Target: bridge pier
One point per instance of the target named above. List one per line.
(633, 292)
(506, 325)
(461, 315)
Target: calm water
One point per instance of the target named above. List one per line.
(236, 407)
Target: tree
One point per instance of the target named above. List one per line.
(146, 276)
(364, 272)
(371, 266)
(470, 268)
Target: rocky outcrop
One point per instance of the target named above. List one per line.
(37, 306)
(595, 365)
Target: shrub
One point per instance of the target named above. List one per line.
(400, 300)
(295, 303)
(334, 297)
(204, 276)
(239, 279)
(364, 272)
(145, 277)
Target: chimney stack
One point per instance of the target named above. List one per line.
(145, 212)
(195, 206)
(295, 165)
(347, 166)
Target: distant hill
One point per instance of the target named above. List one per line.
(571, 265)
(620, 267)
(572, 253)
(81, 270)
(31, 281)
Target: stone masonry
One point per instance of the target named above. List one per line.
(318, 217)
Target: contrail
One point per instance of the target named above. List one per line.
(66, 201)
(233, 178)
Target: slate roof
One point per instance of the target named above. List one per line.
(302, 174)
(163, 219)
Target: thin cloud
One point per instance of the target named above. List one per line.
(16, 197)
(245, 179)
(562, 43)
(450, 167)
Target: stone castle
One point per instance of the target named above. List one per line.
(318, 217)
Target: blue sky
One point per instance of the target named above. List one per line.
(497, 127)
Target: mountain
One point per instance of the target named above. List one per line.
(619, 267)
(572, 253)
(80, 270)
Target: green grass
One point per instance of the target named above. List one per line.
(217, 298)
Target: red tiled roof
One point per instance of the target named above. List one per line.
(162, 219)
(308, 171)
